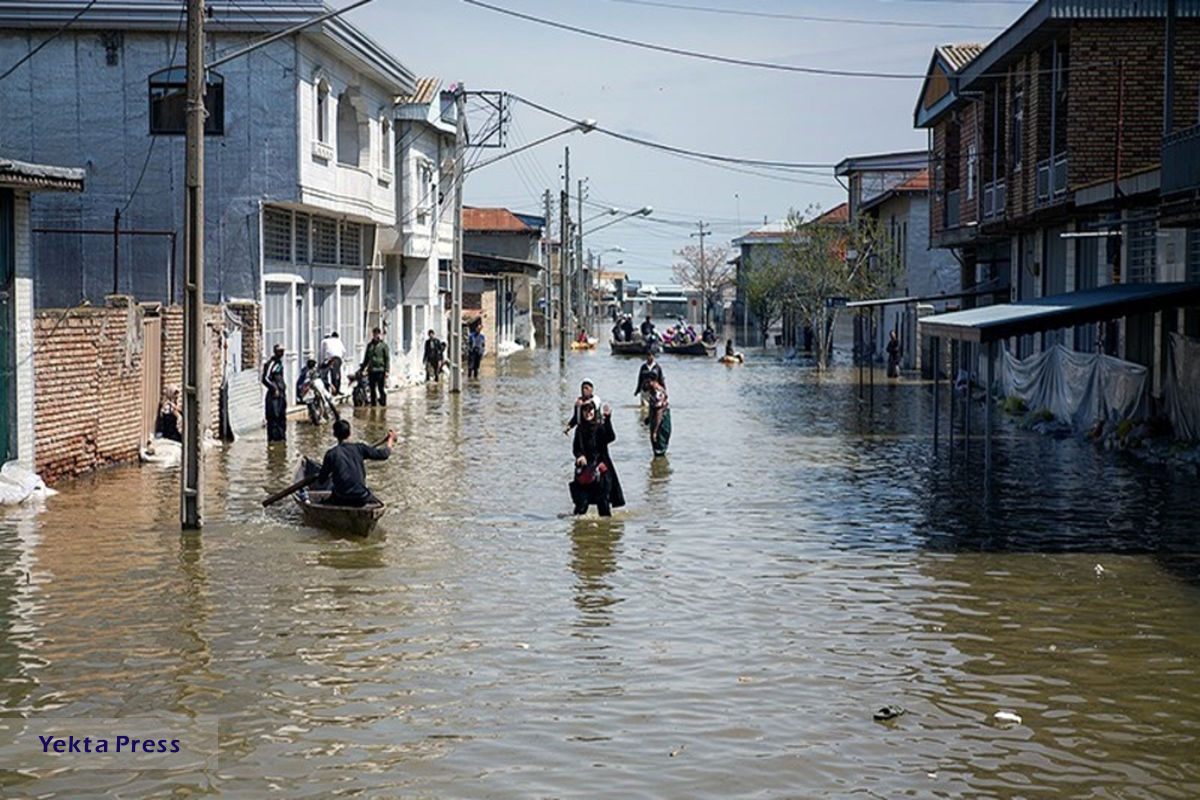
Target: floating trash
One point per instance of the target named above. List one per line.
(888, 712)
(1007, 718)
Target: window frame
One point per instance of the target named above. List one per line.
(171, 83)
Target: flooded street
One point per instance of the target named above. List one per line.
(794, 564)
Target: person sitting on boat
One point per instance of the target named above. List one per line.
(587, 397)
(582, 336)
(627, 328)
(660, 418)
(617, 332)
(343, 465)
(709, 336)
(595, 476)
(647, 328)
(730, 352)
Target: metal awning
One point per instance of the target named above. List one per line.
(993, 323)
(490, 266)
(931, 298)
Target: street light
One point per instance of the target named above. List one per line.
(644, 211)
(461, 171)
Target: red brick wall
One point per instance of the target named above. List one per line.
(87, 402)
(88, 399)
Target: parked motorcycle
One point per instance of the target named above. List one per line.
(360, 394)
(314, 393)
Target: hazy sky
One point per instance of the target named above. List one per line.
(684, 102)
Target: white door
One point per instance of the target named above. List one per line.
(279, 326)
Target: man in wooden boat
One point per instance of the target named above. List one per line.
(344, 466)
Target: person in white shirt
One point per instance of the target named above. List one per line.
(332, 353)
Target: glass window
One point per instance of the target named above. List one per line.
(277, 234)
(1018, 124)
(351, 244)
(322, 111)
(324, 240)
(168, 102)
(301, 230)
(1193, 254)
(1142, 249)
(347, 131)
(385, 144)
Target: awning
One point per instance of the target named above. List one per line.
(488, 266)
(930, 298)
(993, 323)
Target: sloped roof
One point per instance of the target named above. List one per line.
(493, 220)
(839, 213)
(958, 56)
(917, 183)
(424, 92)
(40, 177)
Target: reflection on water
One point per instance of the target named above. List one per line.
(798, 560)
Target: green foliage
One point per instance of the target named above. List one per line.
(1042, 415)
(763, 285)
(1014, 406)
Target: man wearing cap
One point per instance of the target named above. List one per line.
(276, 399)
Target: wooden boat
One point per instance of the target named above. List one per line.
(638, 347)
(731, 360)
(350, 520)
(696, 348)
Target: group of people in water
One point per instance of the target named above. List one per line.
(595, 481)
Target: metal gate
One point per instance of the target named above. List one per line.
(151, 374)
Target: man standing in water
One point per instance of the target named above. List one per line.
(276, 400)
(433, 358)
(377, 361)
(649, 370)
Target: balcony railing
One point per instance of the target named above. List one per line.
(1052, 179)
(952, 213)
(1181, 161)
(995, 198)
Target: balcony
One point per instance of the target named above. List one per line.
(995, 199)
(1181, 161)
(1052, 180)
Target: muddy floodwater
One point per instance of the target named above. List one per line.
(798, 561)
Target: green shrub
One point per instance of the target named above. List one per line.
(1014, 405)
(1043, 415)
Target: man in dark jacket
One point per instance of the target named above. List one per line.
(377, 362)
(344, 466)
(433, 358)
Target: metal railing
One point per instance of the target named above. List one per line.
(1181, 161)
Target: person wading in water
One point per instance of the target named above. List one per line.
(596, 479)
(276, 400)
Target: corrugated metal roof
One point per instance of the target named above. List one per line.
(958, 56)
(40, 176)
(424, 92)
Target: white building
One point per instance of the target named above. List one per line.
(422, 239)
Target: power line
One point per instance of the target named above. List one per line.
(809, 18)
(753, 162)
(47, 40)
(842, 73)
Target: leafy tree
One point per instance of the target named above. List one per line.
(708, 275)
(827, 262)
(764, 281)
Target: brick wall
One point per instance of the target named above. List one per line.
(88, 371)
(1094, 94)
(87, 405)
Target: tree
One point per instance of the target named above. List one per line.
(763, 285)
(706, 271)
(829, 262)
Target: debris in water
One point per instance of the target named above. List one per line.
(888, 712)
(1007, 718)
(678, 750)
(1099, 570)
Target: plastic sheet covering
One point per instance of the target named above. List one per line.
(18, 484)
(1078, 388)
(1182, 389)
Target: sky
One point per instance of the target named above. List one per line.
(689, 103)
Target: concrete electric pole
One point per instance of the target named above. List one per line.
(195, 385)
(547, 276)
(456, 275)
(564, 250)
(704, 275)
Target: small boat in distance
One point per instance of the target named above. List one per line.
(638, 347)
(696, 348)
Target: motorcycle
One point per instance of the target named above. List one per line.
(361, 392)
(314, 394)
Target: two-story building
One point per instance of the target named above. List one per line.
(501, 262)
(1046, 147)
(299, 157)
(893, 189)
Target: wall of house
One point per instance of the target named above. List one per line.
(70, 106)
(328, 177)
(23, 291)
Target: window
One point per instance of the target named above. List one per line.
(277, 234)
(1142, 249)
(385, 144)
(1193, 254)
(972, 170)
(168, 103)
(347, 131)
(351, 244)
(302, 248)
(322, 111)
(1018, 125)
(350, 320)
(324, 240)
(424, 191)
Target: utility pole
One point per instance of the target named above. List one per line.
(191, 490)
(456, 272)
(564, 250)
(547, 276)
(703, 273)
(580, 269)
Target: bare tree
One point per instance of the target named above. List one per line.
(829, 262)
(704, 270)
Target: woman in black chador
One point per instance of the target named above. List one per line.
(595, 476)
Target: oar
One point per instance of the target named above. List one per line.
(300, 484)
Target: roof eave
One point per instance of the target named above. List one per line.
(1000, 47)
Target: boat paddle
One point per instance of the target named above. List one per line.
(304, 482)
